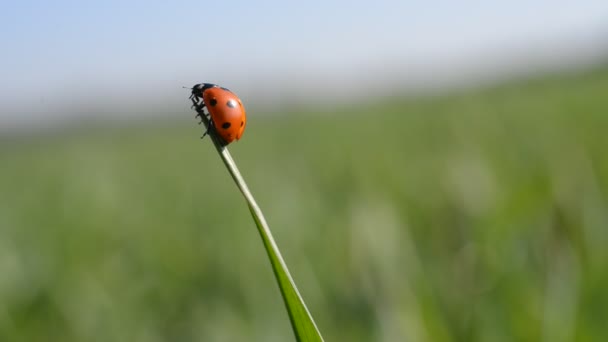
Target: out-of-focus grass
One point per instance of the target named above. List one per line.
(475, 216)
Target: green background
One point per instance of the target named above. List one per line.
(479, 215)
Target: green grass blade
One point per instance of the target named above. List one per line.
(302, 322)
(303, 325)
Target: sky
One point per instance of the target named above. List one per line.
(61, 55)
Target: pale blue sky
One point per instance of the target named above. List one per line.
(116, 49)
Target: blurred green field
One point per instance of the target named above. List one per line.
(476, 216)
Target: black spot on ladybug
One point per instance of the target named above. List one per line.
(242, 123)
(226, 125)
(213, 102)
(231, 103)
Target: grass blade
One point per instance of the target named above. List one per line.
(303, 325)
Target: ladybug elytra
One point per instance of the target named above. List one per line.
(228, 117)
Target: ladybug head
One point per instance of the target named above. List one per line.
(199, 89)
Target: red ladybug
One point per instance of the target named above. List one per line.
(227, 112)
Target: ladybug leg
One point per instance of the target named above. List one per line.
(200, 113)
(208, 128)
(197, 106)
(197, 103)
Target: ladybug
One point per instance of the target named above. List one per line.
(227, 112)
